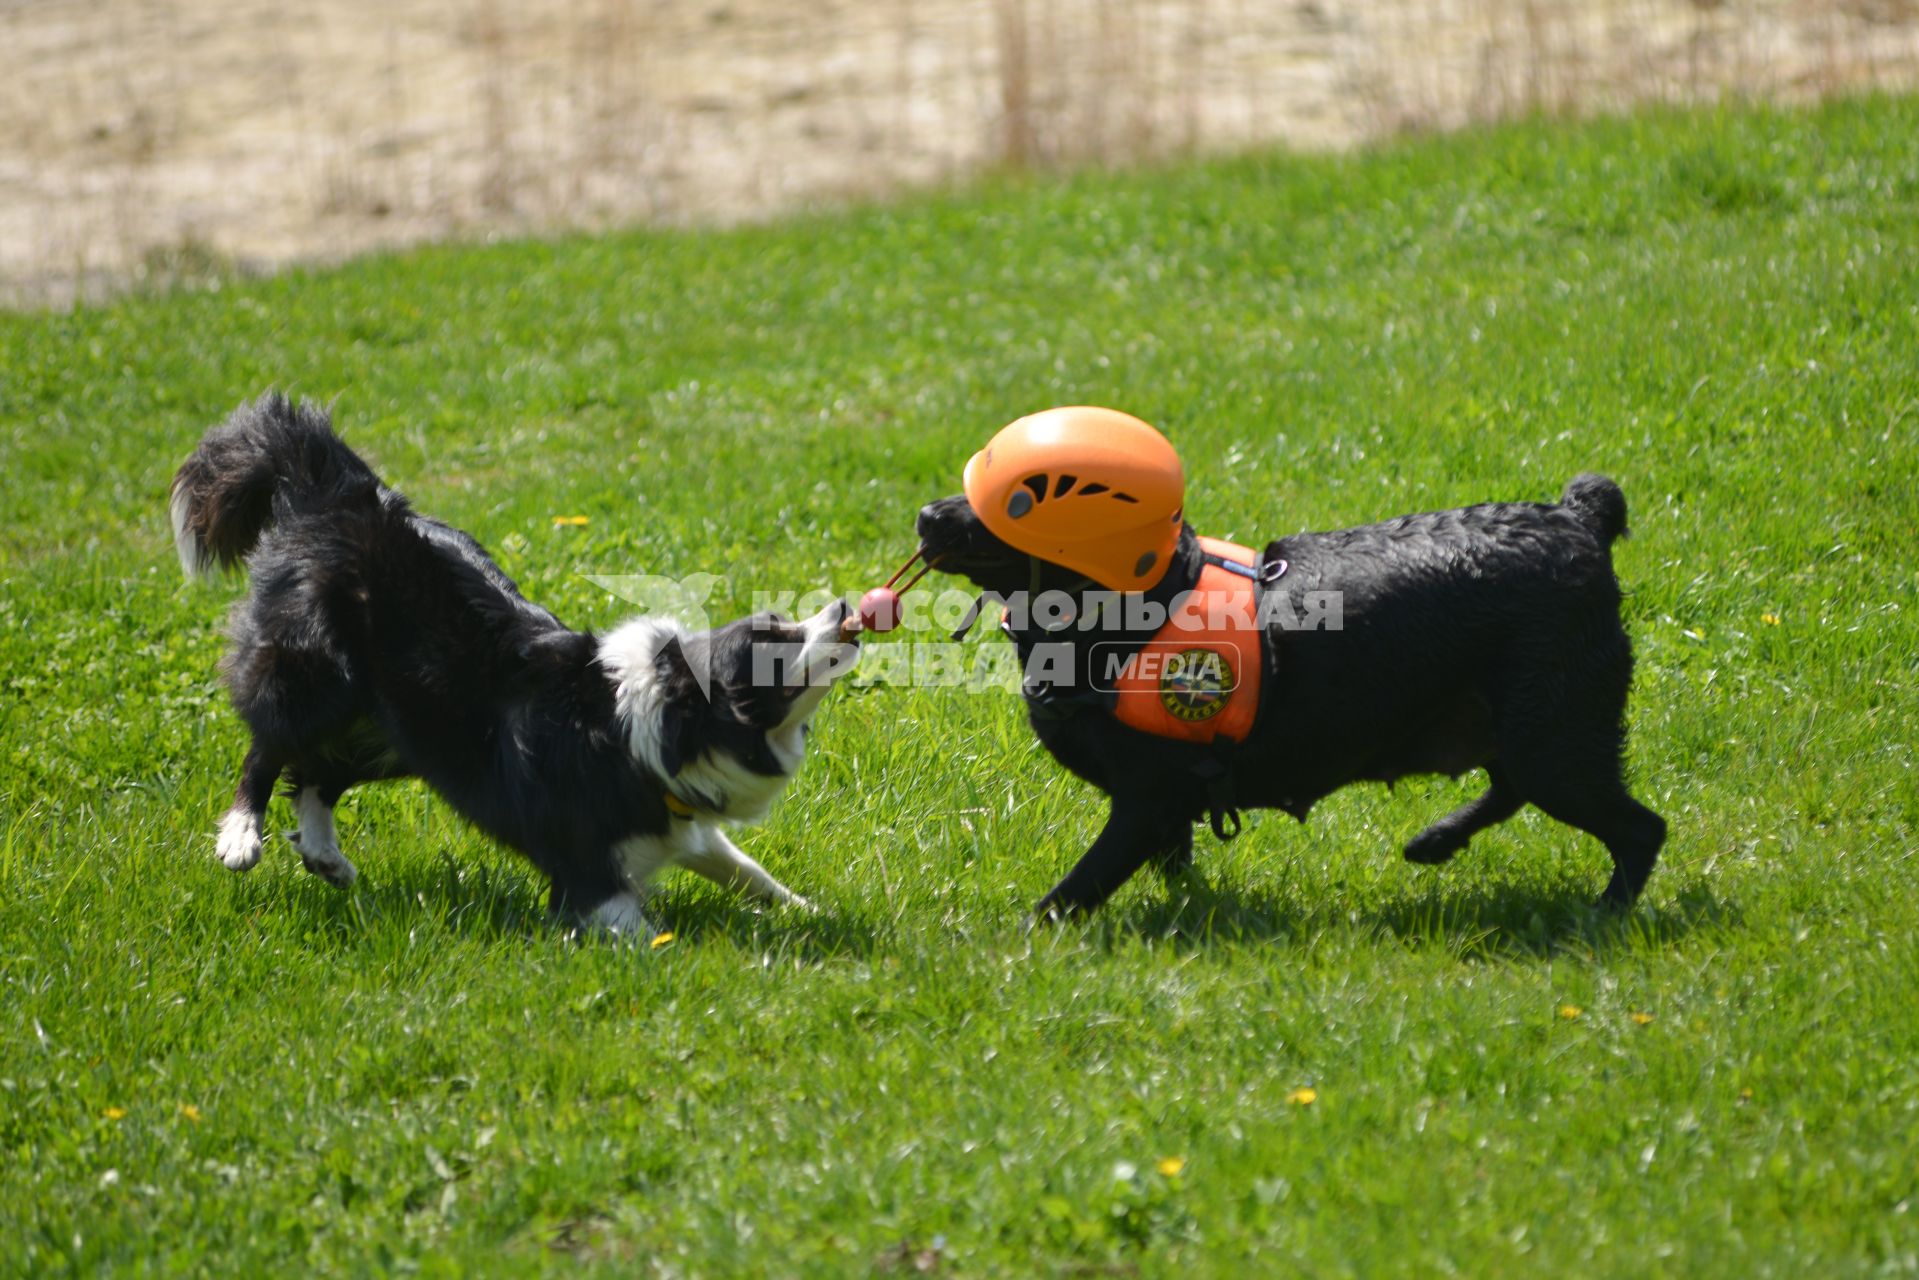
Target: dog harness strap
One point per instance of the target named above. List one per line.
(1245, 569)
(972, 616)
(1198, 678)
(1215, 771)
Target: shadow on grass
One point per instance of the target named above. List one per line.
(492, 901)
(488, 901)
(1473, 921)
(784, 933)
(474, 900)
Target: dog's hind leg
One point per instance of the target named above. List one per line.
(239, 841)
(291, 698)
(314, 839)
(1571, 772)
(1631, 832)
(319, 777)
(1439, 842)
(1562, 740)
(1637, 836)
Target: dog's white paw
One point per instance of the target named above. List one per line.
(239, 840)
(325, 861)
(316, 842)
(336, 871)
(620, 917)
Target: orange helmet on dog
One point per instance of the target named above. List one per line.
(1095, 490)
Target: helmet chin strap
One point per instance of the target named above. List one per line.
(1072, 588)
(972, 616)
(1036, 569)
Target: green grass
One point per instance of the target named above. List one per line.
(1721, 310)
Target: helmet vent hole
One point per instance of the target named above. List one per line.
(1092, 490)
(1038, 485)
(1126, 497)
(1064, 485)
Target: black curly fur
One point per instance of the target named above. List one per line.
(1482, 637)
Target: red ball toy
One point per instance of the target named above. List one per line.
(880, 609)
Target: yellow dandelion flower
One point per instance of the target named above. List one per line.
(1745, 1095)
(661, 939)
(1570, 1011)
(1770, 619)
(1643, 1019)
(1304, 1097)
(190, 1111)
(1171, 1165)
(569, 521)
(115, 1113)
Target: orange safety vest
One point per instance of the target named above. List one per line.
(1198, 678)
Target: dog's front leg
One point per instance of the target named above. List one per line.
(1175, 856)
(707, 852)
(1133, 833)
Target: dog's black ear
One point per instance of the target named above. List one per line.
(679, 737)
(683, 710)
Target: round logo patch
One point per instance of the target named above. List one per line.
(1196, 684)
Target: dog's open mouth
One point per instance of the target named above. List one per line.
(828, 650)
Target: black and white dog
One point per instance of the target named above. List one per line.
(1484, 637)
(377, 643)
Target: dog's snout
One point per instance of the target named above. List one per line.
(929, 520)
(828, 623)
(942, 522)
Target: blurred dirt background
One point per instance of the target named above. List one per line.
(147, 140)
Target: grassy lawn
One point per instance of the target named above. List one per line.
(1316, 1059)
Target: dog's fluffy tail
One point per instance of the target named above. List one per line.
(268, 458)
(1599, 502)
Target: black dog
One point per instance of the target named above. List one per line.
(377, 644)
(1484, 637)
